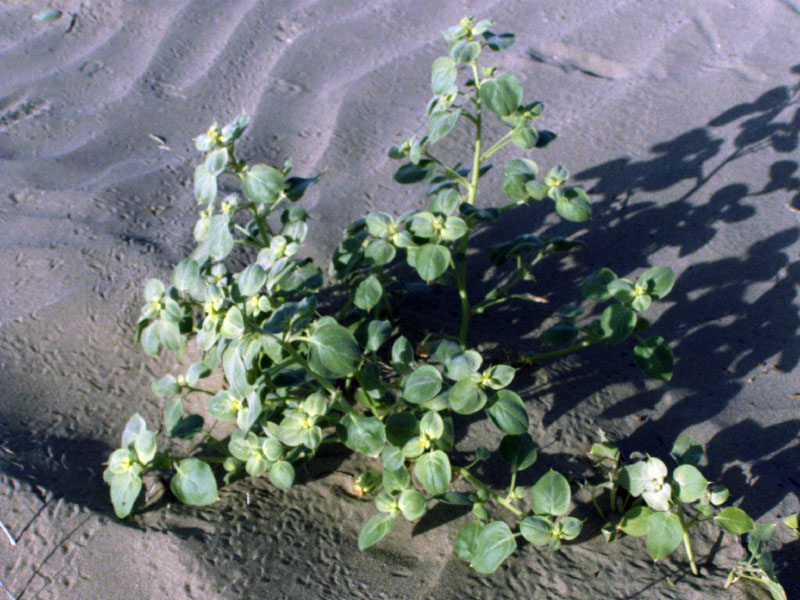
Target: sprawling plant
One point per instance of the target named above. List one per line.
(297, 374)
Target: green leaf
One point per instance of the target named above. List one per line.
(295, 187)
(262, 184)
(454, 229)
(145, 446)
(445, 201)
(220, 240)
(595, 286)
(443, 75)
(396, 480)
(368, 293)
(641, 303)
(135, 427)
(466, 540)
(125, 488)
(431, 425)
(636, 476)
(414, 173)
(422, 385)
(550, 495)
(569, 528)
(507, 411)
(252, 280)
(617, 323)
(734, 520)
(537, 530)
(691, 483)
(216, 161)
(333, 351)
(441, 123)
(519, 451)
(502, 95)
(622, 290)
(392, 458)
(232, 324)
(758, 538)
(654, 357)
(412, 504)
(377, 334)
(518, 172)
(187, 427)
(466, 397)
(375, 530)
(173, 413)
(379, 224)
(205, 185)
(235, 372)
(657, 281)
(495, 543)
(194, 482)
(687, 451)
(433, 472)
(365, 435)
(400, 427)
(186, 275)
(462, 365)
(574, 205)
(664, 534)
(634, 522)
(166, 386)
(524, 136)
(402, 356)
(282, 475)
(224, 406)
(499, 41)
(499, 376)
(560, 334)
(431, 261)
(464, 51)
(379, 253)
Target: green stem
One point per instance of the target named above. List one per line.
(476, 157)
(560, 352)
(687, 542)
(263, 228)
(475, 481)
(498, 145)
(450, 172)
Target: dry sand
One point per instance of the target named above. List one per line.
(680, 117)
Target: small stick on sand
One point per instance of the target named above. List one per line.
(8, 534)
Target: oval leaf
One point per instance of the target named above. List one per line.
(433, 472)
(194, 483)
(550, 495)
(494, 544)
(375, 530)
(508, 413)
(333, 351)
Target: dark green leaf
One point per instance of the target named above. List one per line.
(545, 138)
(758, 538)
(507, 411)
(296, 186)
(377, 334)
(519, 451)
(499, 41)
(574, 205)
(537, 530)
(365, 435)
(282, 475)
(462, 365)
(441, 123)
(551, 495)
(422, 385)
(664, 534)
(617, 323)
(502, 95)
(188, 427)
(657, 282)
(433, 472)
(431, 261)
(194, 482)
(400, 427)
(518, 172)
(595, 286)
(333, 351)
(466, 538)
(687, 451)
(734, 520)
(634, 522)
(443, 75)
(402, 356)
(368, 293)
(654, 358)
(414, 173)
(374, 530)
(466, 397)
(262, 184)
(495, 543)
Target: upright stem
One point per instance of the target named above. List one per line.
(687, 542)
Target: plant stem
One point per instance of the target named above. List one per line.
(560, 352)
(687, 542)
(474, 480)
(263, 228)
(498, 145)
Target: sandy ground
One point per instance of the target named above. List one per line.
(680, 117)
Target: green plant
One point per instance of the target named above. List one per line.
(664, 507)
(298, 374)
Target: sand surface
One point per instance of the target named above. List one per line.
(680, 117)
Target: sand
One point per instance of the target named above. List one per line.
(681, 120)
